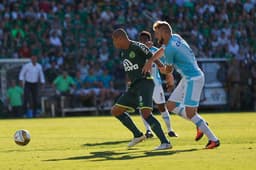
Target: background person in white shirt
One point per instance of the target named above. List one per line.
(31, 75)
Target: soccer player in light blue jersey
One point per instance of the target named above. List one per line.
(158, 93)
(184, 100)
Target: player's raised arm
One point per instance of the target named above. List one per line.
(148, 65)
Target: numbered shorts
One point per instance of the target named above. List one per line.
(138, 95)
(158, 94)
(188, 91)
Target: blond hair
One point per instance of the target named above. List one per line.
(162, 25)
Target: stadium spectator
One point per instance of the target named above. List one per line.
(63, 84)
(14, 99)
(253, 72)
(81, 95)
(55, 39)
(107, 85)
(245, 87)
(91, 82)
(24, 51)
(234, 85)
(52, 72)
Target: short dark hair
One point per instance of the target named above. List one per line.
(145, 33)
(120, 32)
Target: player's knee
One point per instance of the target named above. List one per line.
(161, 107)
(170, 106)
(190, 112)
(146, 113)
(116, 111)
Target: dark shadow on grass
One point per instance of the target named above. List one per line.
(106, 143)
(112, 155)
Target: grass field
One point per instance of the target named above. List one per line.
(101, 143)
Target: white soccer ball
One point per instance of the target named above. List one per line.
(22, 137)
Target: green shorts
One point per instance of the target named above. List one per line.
(139, 95)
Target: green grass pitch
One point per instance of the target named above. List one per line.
(101, 143)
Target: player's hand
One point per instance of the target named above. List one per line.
(147, 67)
(162, 70)
(169, 82)
(168, 69)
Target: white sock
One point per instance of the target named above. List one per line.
(166, 117)
(201, 124)
(147, 126)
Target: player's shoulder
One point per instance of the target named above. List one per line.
(175, 38)
(174, 41)
(137, 44)
(140, 46)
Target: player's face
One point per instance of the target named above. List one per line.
(145, 40)
(159, 37)
(117, 42)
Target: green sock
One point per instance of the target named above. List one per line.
(127, 122)
(157, 129)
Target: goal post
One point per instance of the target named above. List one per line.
(6, 67)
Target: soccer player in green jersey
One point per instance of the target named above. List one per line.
(139, 94)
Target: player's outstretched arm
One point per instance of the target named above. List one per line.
(148, 65)
(169, 82)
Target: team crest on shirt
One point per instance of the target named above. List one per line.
(132, 54)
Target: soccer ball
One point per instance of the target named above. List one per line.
(22, 137)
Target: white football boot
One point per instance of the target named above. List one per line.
(136, 140)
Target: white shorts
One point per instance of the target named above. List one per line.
(158, 94)
(188, 91)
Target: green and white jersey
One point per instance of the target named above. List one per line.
(134, 59)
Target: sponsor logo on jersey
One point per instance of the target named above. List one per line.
(128, 66)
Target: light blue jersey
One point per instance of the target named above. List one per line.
(155, 71)
(180, 55)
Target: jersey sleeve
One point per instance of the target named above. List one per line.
(144, 50)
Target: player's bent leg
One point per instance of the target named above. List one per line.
(204, 128)
(180, 110)
(177, 108)
(190, 112)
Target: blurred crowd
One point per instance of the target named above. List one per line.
(75, 35)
